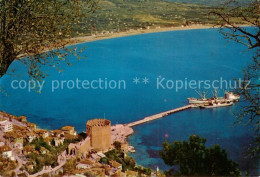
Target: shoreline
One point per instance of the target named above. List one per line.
(86, 39)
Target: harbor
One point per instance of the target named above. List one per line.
(159, 115)
(203, 102)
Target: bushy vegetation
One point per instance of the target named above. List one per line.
(39, 160)
(193, 158)
(39, 142)
(117, 145)
(6, 166)
(117, 155)
(69, 166)
(128, 163)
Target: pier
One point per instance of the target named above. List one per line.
(160, 115)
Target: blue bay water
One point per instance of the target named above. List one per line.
(177, 55)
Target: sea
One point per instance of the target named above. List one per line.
(128, 78)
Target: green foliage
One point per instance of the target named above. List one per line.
(53, 142)
(120, 15)
(82, 135)
(104, 160)
(194, 158)
(39, 142)
(49, 159)
(6, 166)
(228, 17)
(142, 170)
(40, 160)
(128, 163)
(69, 166)
(30, 27)
(117, 145)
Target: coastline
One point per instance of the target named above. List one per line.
(85, 39)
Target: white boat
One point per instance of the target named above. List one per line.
(228, 97)
(217, 104)
(197, 101)
(201, 100)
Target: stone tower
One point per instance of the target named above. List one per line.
(99, 131)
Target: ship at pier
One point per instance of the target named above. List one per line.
(228, 98)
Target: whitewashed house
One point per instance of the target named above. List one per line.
(5, 125)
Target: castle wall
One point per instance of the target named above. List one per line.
(85, 147)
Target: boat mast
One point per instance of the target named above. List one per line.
(215, 94)
(204, 95)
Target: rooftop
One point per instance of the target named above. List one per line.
(5, 148)
(98, 122)
(68, 128)
(57, 131)
(2, 119)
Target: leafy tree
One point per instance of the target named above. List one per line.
(232, 14)
(117, 145)
(228, 17)
(194, 158)
(53, 142)
(30, 27)
(104, 160)
(128, 163)
(39, 142)
(69, 166)
(142, 170)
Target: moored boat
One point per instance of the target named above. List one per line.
(201, 100)
(228, 97)
(217, 104)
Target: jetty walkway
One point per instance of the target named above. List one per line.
(160, 115)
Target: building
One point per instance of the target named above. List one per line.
(32, 126)
(57, 133)
(13, 136)
(45, 135)
(30, 137)
(58, 141)
(18, 143)
(48, 140)
(6, 151)
(22, 119)
(99, 132)
(42, 133)
(98, 138)
(69, 130)
(5, 125)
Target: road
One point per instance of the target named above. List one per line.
(61, 160)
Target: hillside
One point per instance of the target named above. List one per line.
(123, 15)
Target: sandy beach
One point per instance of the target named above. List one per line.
(83, 39)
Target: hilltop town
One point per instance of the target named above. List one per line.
(102, 150)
